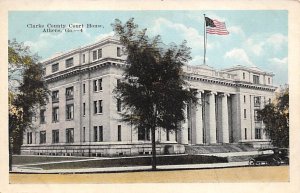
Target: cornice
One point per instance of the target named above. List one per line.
(83, 68)
(79, 50)
(121, 64)
(247, 69)
(211, 80)
(231, 83)
(255, 86)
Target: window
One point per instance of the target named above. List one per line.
(83, 136)
(100, 84)
(99, 53)
(255, 79)
(257, 133)
(97, 84)
(42, 137)
(29, 138)
(55, 136)
(70, 135)
(270, 101)
(70, 112)
(83, 88)
(245, 133)
(69, 93)
(95, 107)
(83, 109)
(69, 62)
(100, 109)
(118, 51)
(119, 105)
(95, 133)
(42, 116)
(256, 117)
(55, 67)
(256, 101)
(168, 134)
(55, 113)
(244, 98)
(188, 111)
(245, 113)
(55, 96)
(118, 83)
(95, 55)
(119, 133)
(244, 75)
(44, 72)
(98, 133)
(269, 81)
(83, 58)
(33, 117)
(143, 134)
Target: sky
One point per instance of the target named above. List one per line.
(256, 38)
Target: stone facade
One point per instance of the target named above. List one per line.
(83, 116)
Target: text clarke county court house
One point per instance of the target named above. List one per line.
(82, 118)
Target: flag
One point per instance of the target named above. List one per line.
(215, 27)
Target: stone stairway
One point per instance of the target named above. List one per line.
(238, 158)
(217, 148)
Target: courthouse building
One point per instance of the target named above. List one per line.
(83, 115)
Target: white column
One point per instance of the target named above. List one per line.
(212, 118)
(183, 134)
(252, 118)
(262, 105)
(199, 121)
(225, 128)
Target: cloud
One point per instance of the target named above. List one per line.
(196, 17)
(194, 39)
(279, 62)
(279, 66)
(239, 56)
(255, 48)
(277, 41)
(197, 60)
(36, 46)
(101, 36)
(44, 41)
(236, 30)
(260, 43)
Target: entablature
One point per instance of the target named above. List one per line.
(86, 67)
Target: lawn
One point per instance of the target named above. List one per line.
(135, 161)
(20, 159)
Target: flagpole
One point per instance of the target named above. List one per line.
(204, 42)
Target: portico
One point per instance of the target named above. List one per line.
(206, 122)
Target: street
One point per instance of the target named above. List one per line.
(237, 174)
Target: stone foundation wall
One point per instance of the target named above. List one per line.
(93, 150)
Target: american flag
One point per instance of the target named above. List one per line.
(214, 26)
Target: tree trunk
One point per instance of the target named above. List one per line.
(10, 153)
(153, 148)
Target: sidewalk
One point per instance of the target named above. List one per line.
(232, 154)
(24, 169)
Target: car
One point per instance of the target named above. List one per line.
(283, 154)
(270, 156)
